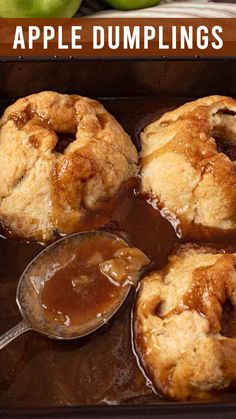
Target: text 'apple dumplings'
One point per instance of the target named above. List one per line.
(188, 165)
(60, 156)
(186, 346)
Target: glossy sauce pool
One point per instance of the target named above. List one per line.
(102, 368)
(78, 292)
(87, 279)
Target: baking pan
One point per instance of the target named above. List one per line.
(135, 92)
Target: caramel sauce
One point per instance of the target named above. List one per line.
(209, 291)
(77, 293)
(101, 369)
(136, 220)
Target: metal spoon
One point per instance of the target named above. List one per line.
(30, 286)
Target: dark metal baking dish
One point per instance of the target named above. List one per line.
(134, 91)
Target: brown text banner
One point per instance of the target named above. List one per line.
(117, 38)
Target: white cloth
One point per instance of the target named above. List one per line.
(167, 8)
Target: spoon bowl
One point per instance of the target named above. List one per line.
(33, 280)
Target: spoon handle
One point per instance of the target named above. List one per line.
(13, 333)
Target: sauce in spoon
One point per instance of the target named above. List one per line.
(90, 281)
(75, 285)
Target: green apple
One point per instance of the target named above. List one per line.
(39, 8)
(132, 4)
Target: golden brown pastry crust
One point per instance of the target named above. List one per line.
(42, 190)
(188, 163)
(177, 324)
